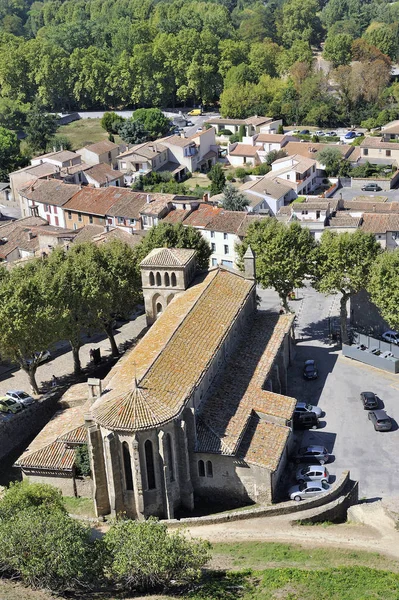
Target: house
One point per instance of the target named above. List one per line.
(197, 153)
(311, 150)
(195, 411)
(267, 195)
(251, 125)
(243, 155)
(314, 214)
(98, 235)
(100, 152)
(46, 198)
(385, 228)
(60, 159)
(390, 132)
(144, 158)
(377, 151)
(102, 175)
(297, 172)
(92, 205)
(344, 223)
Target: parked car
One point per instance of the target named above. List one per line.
(350, 135)
(308, 489)
(198, 129)
(312, 473)
(7, 405)
(305, 420)
(305, 407)
(319, 133)
(371, 187)
(391, 336)
(369, 399)
(380, 420)
(40, 357)
(309, 369)
(189, 124)
(359, 134)
(305, 132)
(331, 133)
(21, 397)
(196, 112)
(312, 453)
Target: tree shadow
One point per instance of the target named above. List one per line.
(318, 330)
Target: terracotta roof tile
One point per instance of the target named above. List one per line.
(165, 257)
(53, 192)
(202, 216)
(97, 201)
(102, 147)
(377, 142)
(228, 221)
(263, 443)
(176, 216)
(380, 223)
(345, 220)
(102, 173)
(75, 436)
(55, 457)
(244, 150)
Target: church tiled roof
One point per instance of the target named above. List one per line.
(54, 457)
(173, 356)
(167, 257)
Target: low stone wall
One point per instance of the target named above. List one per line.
(283, 508)
(335, 511)
(385, 183)
(17, 432)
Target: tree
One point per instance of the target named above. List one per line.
(59, 142)
(338, 49)
(40, 127)
(383, 37)
(153, 121)
(233, 199)
(174, 236)
(22, 495)
(111, 122)
(300, 21)
(133, 132)
(82, 460)
(144, 556)
(218, 179)
(274, 155)
(342, 265)
(284, 255)
(28, 319)
(383, 286)
(331, 158)
(9, 152)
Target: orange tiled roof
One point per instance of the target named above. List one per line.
(202, 216)
(379, 223)
(176, 216)
(165, 257)
(172, 357)
(263, 443)
(96, 201)
(55, 457)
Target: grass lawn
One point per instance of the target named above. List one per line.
(84, 132)
(79, 506)
(271, 571)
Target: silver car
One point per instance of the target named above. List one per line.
(308, 489)
(312, 454)
(305, 407)
(312, 473)
(21, 397)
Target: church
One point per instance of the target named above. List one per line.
(196, 411)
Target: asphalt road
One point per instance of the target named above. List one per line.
(371, 456)
(347, 193)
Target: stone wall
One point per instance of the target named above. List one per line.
(17, 432)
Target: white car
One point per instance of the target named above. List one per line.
(312, 473)
(319, 132)
(391, 336)
(308, 489)
(40, 357)
(21, 397)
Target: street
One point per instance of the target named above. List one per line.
(347, 193)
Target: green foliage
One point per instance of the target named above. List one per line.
(275, 155)
(82, 460)
(145, 556)
(233, 199)
(383, 37)
(111, 122)
(261, 169)
(384, 286)
(154, 122)
(40, 128)
(174, 236)
(46, 548)
(9, 152)
(284, 255)
(240, 173)
(23, 495)
(59, 142)
(218, 179)
(338, 49)
(331, 158)
(133, 132)
(226, 132)
(280, 130)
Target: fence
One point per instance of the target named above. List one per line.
(373, 352)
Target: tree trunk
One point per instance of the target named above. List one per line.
(110, 334)
(31, 373)
(344, 317)
(284, 302)
(77, 369)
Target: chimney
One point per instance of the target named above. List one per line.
(30, 235)
(249, 264)
(205, 197)
(148, 199)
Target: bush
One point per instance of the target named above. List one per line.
(59, 142)
(261, 169)
(225, 132)
(143, 556)
(241, 173)
(82, 460)
(229, 177)
(23, 495)
(48, 549)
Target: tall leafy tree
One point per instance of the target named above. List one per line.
(331, 158)
(133, 132)
(153, 121)
(383, 286)
(9, 152)
(233, 199)
(342, 265)
(217, 178)
(175, 236)
(40, 127)
(284, 255)
(28, 318)
(338, 49)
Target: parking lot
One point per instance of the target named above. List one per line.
(347, 193)
(372, 457)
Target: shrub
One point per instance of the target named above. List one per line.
(24, 495)
(225, 132)
(280, 129)
(261, 169)
(240, 173)
(82, 460)
(229, 177)
(234, 138)
(145, 555)
(48, 549)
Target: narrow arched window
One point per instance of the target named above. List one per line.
(152, 278)
(201, 468)
(127, 464)
(169, 457)
(167, 280)
(159, 308)
(209, 469)
(149, 463)
(159, 281)
(174, 283)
